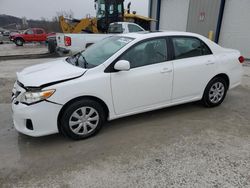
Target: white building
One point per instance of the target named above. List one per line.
(227, 20)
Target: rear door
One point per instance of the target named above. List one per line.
(194, 65)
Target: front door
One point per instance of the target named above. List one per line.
(29, 35)
(148, 83)
(39, 35)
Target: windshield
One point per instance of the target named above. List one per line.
(101, 9)
(99, 52)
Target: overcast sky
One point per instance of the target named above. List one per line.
(35, 9)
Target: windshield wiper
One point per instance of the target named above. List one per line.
(84, 60)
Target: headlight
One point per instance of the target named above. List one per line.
(31, 97)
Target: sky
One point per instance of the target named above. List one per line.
(36, 9)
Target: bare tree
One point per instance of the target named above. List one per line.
(67, 14)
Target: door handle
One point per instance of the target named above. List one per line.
(166, 70)
(209, 62)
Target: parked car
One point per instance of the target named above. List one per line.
(29, 35)
(6, 33)
(1, 38)
(72, 43)
(12, 34)
(120, 76)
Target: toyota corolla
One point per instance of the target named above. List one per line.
(121, 76)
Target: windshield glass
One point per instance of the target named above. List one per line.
(99, 52)
(101, 9)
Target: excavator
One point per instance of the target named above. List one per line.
(107, 11)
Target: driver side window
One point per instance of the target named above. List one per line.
(146, 53)
(29, 32)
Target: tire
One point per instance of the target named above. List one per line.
(215, 92)
(82, 119)
(51, 46)
(19, 42)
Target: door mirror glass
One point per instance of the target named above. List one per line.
(122, 65)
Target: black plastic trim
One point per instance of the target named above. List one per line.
(53, 102)
(32, 103)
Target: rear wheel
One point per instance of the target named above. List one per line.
(82, 119)
(19, 42)
(51, 46)
(215, 92)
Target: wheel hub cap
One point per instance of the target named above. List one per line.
(216, 92)
(83, 120)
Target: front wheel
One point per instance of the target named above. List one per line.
(19, 42)
(82, 119)
(215, 92)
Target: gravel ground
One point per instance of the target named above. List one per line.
(182, 146)
(8, 74)
(26, 49)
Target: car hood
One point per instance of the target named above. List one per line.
(49, 73)
(16, 35)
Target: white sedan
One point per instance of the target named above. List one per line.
(120, 76)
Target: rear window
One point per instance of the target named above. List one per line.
(115, 28)
(185, 47)
(39, 31)
(134, 28)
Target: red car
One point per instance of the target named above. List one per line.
(29, 35)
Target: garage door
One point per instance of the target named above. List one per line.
(174, 15)
(203, 16)
(236, 26)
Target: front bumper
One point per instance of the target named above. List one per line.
(42, 116)
(34, 120)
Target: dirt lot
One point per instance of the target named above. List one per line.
(182, 146)
(26, 49)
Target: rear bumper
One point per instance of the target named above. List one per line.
(61, 50)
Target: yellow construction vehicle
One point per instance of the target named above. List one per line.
(108, 11)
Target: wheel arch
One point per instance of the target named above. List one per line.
(19, 38)
(100, 101)
(220, 75)
(224, 76)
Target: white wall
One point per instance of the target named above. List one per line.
(235, 30)
(174, 15)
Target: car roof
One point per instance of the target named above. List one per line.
(150, 34)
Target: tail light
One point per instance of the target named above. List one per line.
(67, 41)
(241, 59)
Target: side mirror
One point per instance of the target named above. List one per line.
(122, 65)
